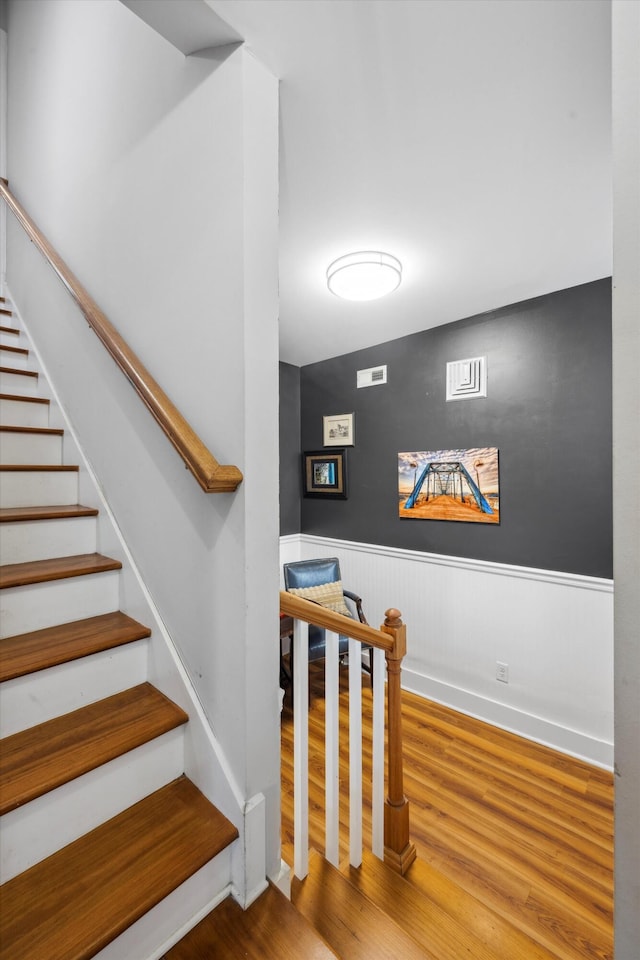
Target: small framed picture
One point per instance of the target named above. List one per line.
(338, 430)
(325, 474)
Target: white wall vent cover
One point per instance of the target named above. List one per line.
(467, 379)
(372, 377)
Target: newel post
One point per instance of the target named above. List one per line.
(399, 851)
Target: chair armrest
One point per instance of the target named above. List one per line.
(358, 602)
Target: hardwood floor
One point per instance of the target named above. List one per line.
(526, 831)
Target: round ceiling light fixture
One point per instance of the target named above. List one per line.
(367, 275)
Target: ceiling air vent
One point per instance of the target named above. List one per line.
(467, 379)
(372, 377)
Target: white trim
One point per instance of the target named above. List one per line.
(282, 879)
(292, 539)
(187, 927)
(463, 563)
(247, 864)
(126, 942)
(332, 749)
(377, 751)
(575, 744)
(355, 752)
(4, 69)
(301, 749)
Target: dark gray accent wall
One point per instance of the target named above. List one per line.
(548, 411)
(290, 482)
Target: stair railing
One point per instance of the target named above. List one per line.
(390, 818)
(212, 476)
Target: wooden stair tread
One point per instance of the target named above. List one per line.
(38, 467)
(5, 329)
(5, 312)
(9, 349)
(71, 905)
(271, 929)
(39, 759)
(58, 568)
(57, 512)
(22, 373)
(350, 923)
(21, 399)
(440, 915)
(40, 649)
(47, 431)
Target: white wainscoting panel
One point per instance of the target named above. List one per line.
(554, 630)
(289, 552)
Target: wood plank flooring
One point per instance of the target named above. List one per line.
(353, 925)
(526, 831)
(270, 928)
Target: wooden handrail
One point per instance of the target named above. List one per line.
(303, 609)
(399, 851)
(212, 476)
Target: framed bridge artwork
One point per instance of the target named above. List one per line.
(461, 485)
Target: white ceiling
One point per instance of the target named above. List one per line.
(469, 138)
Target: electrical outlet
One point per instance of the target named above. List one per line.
(502, 672)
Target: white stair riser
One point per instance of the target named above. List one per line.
(17, 383)
(10, 358)
(41, 488)
(40, 448)
(38, 697)
(22, 413)
(27, 540)
(39, 828)
(161, 928)
(9, 339)
(23, 609)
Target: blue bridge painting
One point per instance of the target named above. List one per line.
(450, 485)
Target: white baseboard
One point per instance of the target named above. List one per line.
(282, 880)
(596, 752)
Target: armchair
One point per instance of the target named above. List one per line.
(320, 580)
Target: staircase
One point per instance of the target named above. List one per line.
(103, 836)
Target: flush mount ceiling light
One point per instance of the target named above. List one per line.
(367, 275)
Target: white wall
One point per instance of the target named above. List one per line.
(3, 145)
(554, 630)
(155, 177)
(626, 435)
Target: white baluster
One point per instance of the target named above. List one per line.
(355, 752)
(301, 748)
(332, 748)
(377, 774)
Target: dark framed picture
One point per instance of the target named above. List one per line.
(324, 474)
